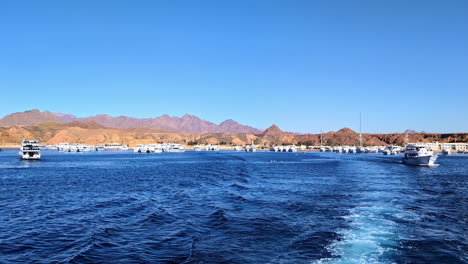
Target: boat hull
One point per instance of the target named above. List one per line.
(30, 156)
(421, 160)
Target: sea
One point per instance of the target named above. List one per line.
(231, 207)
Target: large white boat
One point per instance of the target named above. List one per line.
(418, 154)
(30, 150)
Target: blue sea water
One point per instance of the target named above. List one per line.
(231, 207)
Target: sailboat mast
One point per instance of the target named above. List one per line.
(360, 130)
(321, 138)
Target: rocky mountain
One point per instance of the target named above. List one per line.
(91, 132)
(187, 123)
(28, 118)
(410, 131)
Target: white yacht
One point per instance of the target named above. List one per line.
(64, 147)
(197, 148)
(100, 147)
(337, 149)
(176, 148)
(141, 148)
(446, 152)
(372, 150)
(345, 149)
(237, 148)
(115, 146)
(209, 147)
(418, 154)
(292, 148)
(123, 147)
(251, 148)
(392, 150)
(30, 150)
(154, 148)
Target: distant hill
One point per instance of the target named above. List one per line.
(28, 118)
(187, 123)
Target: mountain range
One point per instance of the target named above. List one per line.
(90, 132)
(187, 123)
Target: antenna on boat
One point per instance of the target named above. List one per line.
(360, 130)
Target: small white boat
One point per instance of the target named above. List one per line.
(100, 147)
(251, 148)
(345, 149)
(30, 150)
(392, 150)
(123, 147)
(153, 148)
(292, 148)
(372, 150)
(419, 154)
(209, 147)
(446, 152)
(174, 148)
(237, 148)
(197, 148)
(141, 148)
(63, 147)
(337, 149)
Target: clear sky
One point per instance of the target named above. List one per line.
(304, 65)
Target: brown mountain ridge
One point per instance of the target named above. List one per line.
(187, 123)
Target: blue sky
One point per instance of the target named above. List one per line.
(303, 65)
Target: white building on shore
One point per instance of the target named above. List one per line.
(452, 146)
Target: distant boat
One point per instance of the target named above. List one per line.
(174, 148)
(419, 154)
(148, 148)
(115, 146)
(197, 148)
(100, 147)
(237, 148)
(63, 147)
(392, 150)
(446, 152)
(30, 150)
(250, 148)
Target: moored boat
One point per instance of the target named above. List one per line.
(446, 152)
